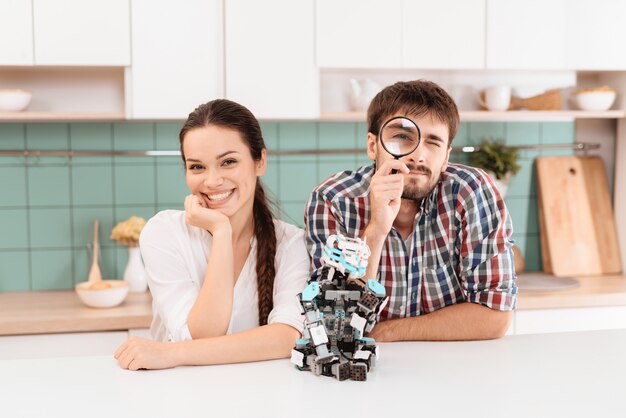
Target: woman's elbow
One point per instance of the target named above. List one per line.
(289, 337)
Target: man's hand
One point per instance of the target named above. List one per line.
(380, 332)
(385, 196)
(198, 214)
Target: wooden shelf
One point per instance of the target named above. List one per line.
(538, 115)
(466, 116)
(483, 115)
(59, 117)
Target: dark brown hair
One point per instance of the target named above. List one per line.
(419, 98)
(231, 115)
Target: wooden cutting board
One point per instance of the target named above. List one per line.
(575, 217)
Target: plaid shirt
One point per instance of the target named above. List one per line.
(460, 248)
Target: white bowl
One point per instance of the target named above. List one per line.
(114, 294)
(14, 100)
(595, 100)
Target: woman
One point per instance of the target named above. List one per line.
(223, 273)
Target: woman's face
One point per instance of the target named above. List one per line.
(220, 169)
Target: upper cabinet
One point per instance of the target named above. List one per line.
(79, 32)
(16, 32)
(359, 34)
(556, 34)
(270, 57)
(443, 34)
(596, 34)
(401, 34)
(527, 34)
(177, 50)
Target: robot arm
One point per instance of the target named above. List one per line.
(312, 348)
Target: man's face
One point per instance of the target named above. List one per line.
(426, 163)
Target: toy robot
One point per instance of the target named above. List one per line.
(338, 312)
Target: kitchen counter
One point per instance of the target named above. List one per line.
(593, 291)
(62, 311)
(578, 374)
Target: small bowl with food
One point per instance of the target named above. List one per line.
(14, 100)
(595, 99)
(102, 293)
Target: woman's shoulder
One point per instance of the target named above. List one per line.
(167, 224)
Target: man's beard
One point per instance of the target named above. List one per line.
(414, 192)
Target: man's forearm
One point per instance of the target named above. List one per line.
(464, 321)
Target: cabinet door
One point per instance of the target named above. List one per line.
(61, 345)
(359, 33)
(570, 319)
(596, 34)
(80, 32)
(16, 32)
(444, 34)
(177, 57)
(269, 54)
(526, 34)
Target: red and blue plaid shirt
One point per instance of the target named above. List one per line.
(460, 248)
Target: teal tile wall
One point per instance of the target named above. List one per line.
(48, 204)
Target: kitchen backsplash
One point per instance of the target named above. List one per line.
(48, 204)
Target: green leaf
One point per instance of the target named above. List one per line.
(493, 155)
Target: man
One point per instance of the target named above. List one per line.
(439, 233)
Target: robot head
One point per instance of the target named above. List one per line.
(348, 255)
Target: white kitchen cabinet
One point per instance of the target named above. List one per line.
(80, 32)
(527, 34)
(270, 57)
(16, 32)
(177, 54)
(444, 34)
(570, 319)
(61, 345)
(360, 33)
(596, 34)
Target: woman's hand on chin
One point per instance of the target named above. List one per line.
(139, 353)
(198, 214)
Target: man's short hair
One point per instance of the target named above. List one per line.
(413, 98)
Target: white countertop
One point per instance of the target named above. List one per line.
(545, 375)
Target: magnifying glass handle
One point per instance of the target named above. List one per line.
(393, 170)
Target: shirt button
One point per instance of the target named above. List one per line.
(415, 261)
(414, 296)
(401, 308)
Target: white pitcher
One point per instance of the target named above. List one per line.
(362, 93)
(135, 273)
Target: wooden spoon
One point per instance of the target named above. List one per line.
(95, 276)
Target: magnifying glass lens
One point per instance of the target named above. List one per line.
(400, 136)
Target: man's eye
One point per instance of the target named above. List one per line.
(435, 143)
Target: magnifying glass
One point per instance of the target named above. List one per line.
(400, 136)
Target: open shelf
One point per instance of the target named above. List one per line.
(491, 116)
(60, 116)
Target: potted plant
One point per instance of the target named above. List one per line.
(498, 160)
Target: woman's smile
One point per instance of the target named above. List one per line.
(214, 199)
